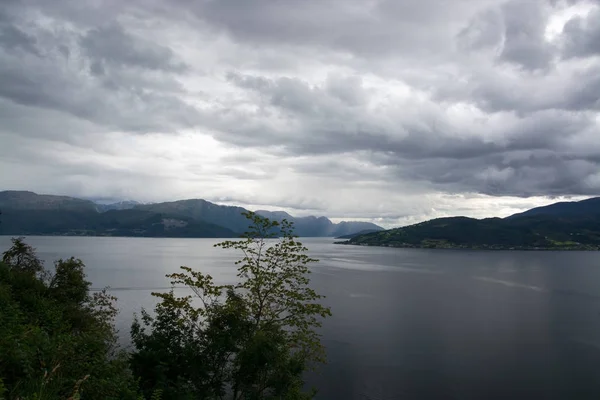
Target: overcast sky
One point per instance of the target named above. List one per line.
(385, 110)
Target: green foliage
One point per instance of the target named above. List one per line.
(252, 340)
(518, 232)
(275, 283)
(57, 340)
(21, 257)
(131, 222)
(2, 390)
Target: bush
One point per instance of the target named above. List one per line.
(56, 340)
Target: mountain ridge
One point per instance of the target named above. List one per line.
(27, 213)
(120, 205)
(559, 226)
(565, 208)
(26, 200)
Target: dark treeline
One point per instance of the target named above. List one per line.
(253, 340)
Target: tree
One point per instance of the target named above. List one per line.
(56, 339)
(252, 340)
(21, 257)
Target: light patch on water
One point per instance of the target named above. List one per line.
(363, 266)
(511, 284)
(419, 270)
(345, 260)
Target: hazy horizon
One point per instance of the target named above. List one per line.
(382, 222)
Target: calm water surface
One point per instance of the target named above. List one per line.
(407, 324)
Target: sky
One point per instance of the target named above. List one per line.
(379, 110)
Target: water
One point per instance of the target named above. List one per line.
(407, 324)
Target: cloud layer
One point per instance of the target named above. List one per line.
(354, 109)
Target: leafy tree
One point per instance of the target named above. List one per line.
(57, 340)
(252, 340)
(21, 257)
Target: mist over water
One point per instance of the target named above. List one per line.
(407, 323)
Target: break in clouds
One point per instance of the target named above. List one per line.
(397, 110)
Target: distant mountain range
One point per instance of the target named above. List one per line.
(351, 235)
(320, 226)
(28, 213)
(121, 205)
(559, 226)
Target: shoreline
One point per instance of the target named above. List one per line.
(485, 248)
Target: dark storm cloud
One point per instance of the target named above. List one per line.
(104, 75)
(530, 155)
(582, 35)
(494, 91)
(512, 173)
(516, 30)
(524, 42)
(484, 31)
(452, 96)
(318, 111)
(363, 28)
(110, 44)
(82, 96)
(13, 38)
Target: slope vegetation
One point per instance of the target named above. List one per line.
(27, 213)
(561, 226)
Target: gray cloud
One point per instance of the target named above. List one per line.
(13, 38)
(578, 92)
(309, 105)
(106, 76)
(535, 173)
(428, 151)
(524, 42)
(484, 31)
(513, 31)
(365, 29)
(582, 36)
(111, 45)
(82, 96)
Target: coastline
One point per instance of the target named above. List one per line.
(447, 246)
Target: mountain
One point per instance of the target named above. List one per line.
(561, 226)
(276, 215)
(27, 213)
(121, 205)
(130, 222)
(352, 227)
(23, 200)
(363, 232)
(319, 226)
(583, 208)
(226, 216)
